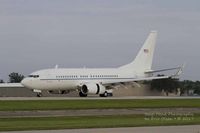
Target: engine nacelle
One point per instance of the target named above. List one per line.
(92, 88)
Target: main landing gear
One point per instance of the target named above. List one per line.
(106, 94)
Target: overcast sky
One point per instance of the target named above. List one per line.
(38, 34)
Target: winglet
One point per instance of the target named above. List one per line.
(179, 72)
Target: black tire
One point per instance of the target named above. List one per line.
(110, 94)
(39, 94)
(104, 95)
(82, 95)
(101, 95)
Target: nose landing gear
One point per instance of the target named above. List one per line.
(39, 94)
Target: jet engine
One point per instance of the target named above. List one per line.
(92, 88)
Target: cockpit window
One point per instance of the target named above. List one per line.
(33, 76)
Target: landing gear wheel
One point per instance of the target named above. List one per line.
(82, 95)
(110, 94)
(104, 95)
(39, 94)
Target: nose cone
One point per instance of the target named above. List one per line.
(25, 82)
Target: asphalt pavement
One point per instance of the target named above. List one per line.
(96, 98)
(162, 129)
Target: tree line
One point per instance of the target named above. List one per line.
(14, 78)
(172, 85)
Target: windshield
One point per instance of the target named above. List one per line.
(33, 76)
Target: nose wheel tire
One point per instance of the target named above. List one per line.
(39, 94)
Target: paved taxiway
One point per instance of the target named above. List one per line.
(164, 129)
(96, 98)
(96, 112)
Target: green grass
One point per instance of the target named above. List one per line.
(17, 124)
(97, 104)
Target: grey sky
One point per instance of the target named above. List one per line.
(38, 34)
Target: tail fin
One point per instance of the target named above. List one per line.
(144, 58)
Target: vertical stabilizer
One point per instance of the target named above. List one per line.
(144, 58)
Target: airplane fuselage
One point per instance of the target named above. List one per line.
(64, 79)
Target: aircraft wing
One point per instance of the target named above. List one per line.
(180, 70)
(134, 80)
(11, 85)
(162, 70)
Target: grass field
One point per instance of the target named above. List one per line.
(16, 124)
(72, 122)
(97, 104)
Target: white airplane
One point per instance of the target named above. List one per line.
(97, 81)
